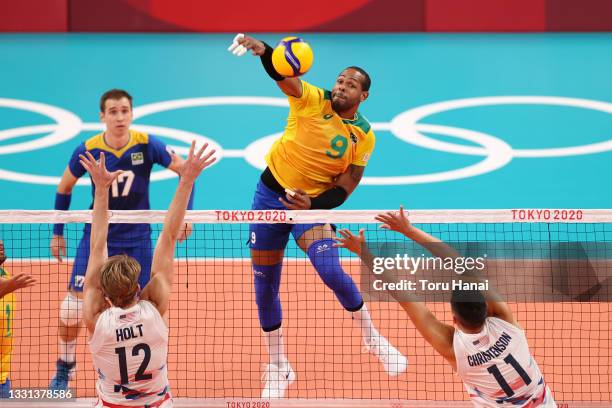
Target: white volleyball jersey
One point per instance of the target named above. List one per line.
(497, 368)
(129, 349)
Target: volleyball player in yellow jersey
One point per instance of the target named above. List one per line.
(8, 285)
(316, 164)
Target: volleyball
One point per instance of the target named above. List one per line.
(292, 57)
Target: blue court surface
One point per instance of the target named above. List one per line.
(462, 121)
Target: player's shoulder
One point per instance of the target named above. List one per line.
(502, 324)
(312, 92)
(361, 124)
(308, 87)
(137, 137)
(94, 142)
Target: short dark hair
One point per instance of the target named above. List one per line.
(366, 82)
(114, 94)
(470, 307)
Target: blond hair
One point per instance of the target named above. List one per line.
(119, 279)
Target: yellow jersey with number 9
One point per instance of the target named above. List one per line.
(6, 331)
(318, 145)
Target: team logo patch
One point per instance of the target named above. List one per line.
(366, 157)
(353, 138)
(328, 116)
(170, 150)
(137, 158)
(322, 248)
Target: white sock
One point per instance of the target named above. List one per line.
(276, 347)
(67, 350)
(362, 318)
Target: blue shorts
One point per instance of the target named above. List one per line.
(272, 236)
(142, 253)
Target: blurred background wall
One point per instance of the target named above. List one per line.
(310, 16)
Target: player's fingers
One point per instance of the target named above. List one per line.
(84, 158)
(90, 157)
(290, 198)
(240, 51)
(287, 204)
(207, 155)
(201, 151)
(191, 150)
(235, 41)
(88, 163)
(347, 234)
(85, 165)
(116, 174)
(362, 233)
(381, 218)
(209, 162)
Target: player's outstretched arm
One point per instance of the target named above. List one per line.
(175, 165)
(436, 333)
(62, 202)
(398, 221)
(243, 43)
(93, 297)
(158, 289)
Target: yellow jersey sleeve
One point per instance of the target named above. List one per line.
(364, 150)
(310, 103)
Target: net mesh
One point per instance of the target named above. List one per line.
(216, 347)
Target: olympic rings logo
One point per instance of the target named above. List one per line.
(496, 152)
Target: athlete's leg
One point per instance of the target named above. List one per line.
(316, 240)
(70, 321)
(267, 243)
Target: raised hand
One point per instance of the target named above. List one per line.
(18, 281)
(58, 247)
(352, 242)
(196, 162)
(395, 221)
(243, 43)
(101, 177)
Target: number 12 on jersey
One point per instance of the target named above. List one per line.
(123, 366)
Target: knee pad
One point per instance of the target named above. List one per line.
(71, 310)
(325, 259)
(267, 283)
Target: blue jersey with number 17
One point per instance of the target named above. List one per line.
(130, 191)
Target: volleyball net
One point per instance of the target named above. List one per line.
(552, 267)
